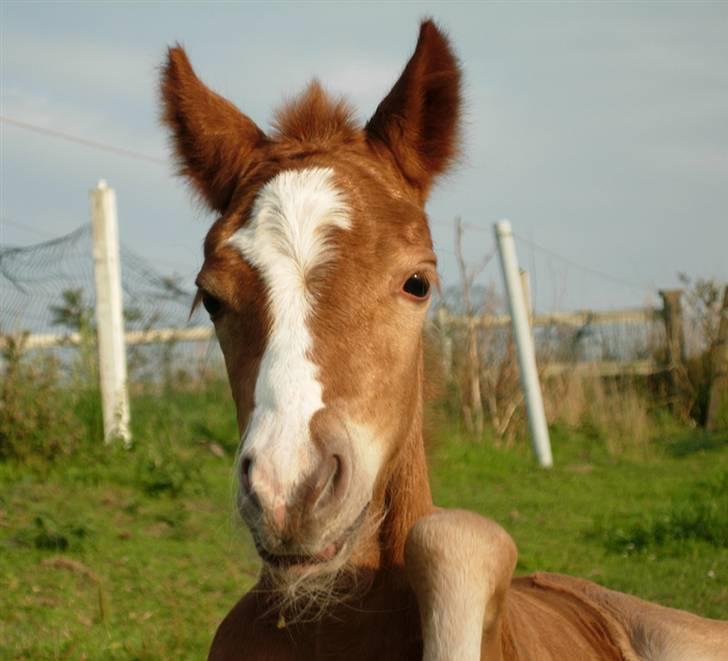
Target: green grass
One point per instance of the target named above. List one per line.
(109, 554)
(655, 526)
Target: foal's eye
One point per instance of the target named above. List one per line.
(416, 286)
(211, 304)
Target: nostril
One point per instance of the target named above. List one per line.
(245, 469)
(341, 477)
(331, 482)
(321, 482)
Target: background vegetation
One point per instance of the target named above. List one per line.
(108, 553)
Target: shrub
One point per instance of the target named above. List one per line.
(37, 416)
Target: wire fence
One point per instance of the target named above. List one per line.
(47, 291)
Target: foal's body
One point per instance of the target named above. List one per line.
(317, 276)
(459, 602)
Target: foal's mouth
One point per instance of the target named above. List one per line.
(302, 561)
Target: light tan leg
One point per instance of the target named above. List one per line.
(460, 566)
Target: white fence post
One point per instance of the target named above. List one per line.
(526, 286)
(524, 344)
(109, 314)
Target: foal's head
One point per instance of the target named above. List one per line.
(317, 276)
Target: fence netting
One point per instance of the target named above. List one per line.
(48, 289)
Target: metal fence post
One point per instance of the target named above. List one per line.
(524, 344)
(109, 314)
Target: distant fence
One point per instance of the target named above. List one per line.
(155, 336)
(446, 323)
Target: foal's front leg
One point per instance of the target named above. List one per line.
(460, 566)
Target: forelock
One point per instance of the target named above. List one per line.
(316, 117)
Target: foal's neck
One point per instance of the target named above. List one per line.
(408, 496)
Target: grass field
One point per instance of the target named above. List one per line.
(114, 554)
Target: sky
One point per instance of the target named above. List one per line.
(599, 130)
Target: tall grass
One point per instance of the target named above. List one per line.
(623, 414)
(40, 419)
(615, 412)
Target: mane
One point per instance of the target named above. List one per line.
(314, 116)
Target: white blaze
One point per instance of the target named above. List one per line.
(288, 235)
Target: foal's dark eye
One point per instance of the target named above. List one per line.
(211, 304)
(416, 286)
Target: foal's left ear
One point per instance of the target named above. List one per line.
(214, 141)
(419, 119)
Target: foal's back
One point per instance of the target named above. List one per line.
(555, 617)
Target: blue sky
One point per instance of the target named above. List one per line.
(600, 130)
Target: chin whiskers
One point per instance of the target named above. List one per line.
(310, 593)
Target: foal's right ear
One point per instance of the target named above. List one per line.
(213, 140)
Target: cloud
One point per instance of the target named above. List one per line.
(82, 64)
(364, 82)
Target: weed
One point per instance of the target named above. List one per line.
(162, 470)
(46, 534)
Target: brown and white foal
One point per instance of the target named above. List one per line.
(317, 276)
